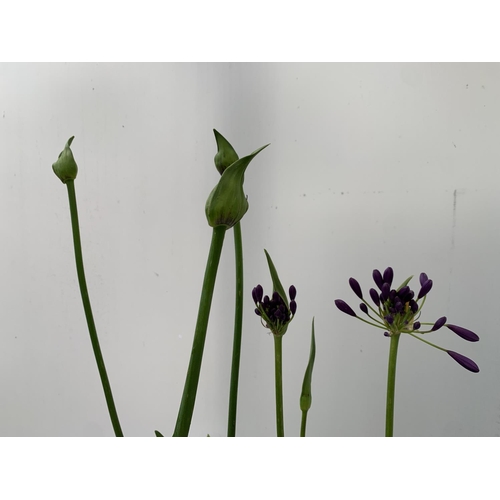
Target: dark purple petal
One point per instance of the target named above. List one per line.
(377, 277)
(463, 332)
(388, 275)
(416, 325)
(345, 308)
(257, 293)
(356, 288)
(438, 324)
(426, 288)
(385, 291)
(464, 361)
(374, 296)
(293, 307)
(363, 307)
(423, 278)
(292, 292)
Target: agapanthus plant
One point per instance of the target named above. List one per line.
(276, 313)
(398, 311)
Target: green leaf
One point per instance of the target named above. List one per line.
(158, 434)
(306, 396)
(277, 286)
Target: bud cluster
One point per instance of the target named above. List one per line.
(398, 311)
(275, 312)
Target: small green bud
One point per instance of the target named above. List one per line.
(227, 203)
(226, 155)
(306, 395)
(65, 167)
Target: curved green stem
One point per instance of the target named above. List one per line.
(238, 321)
(88, 310)
(391, 385)
(278, 370)
(193, 374)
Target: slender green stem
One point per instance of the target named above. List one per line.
(193, 374)
(238, 321)
(303, 424)
(391, 385)
(88, 310)
(278, 371)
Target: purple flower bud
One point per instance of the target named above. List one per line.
(257, 293)
(266, 300)
(385, 291)
(356, 288)
(388, 275)
(387, 334)
(438, 324)
(423, 278)
(403, 293)
(363, 307)
(277, 298)
(413, 306)
(426, 287)
(345, 308)
(377, 277)
(389, 319)
(293, 307)
(292, 292)
(465, 362)
(416, 325)
(463, 332)
(374, 296)
(257, 312)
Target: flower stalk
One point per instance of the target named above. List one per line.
(391, 386)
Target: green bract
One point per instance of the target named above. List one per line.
(226, 155)
(65, 167)
(227, 203)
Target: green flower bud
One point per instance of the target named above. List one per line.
(227, 203)
(226, 155)
(306, 395)
(65, 167)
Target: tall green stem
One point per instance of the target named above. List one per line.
(391, 385)
(278, 370)
(238, 321)
(193, 374)
(303, 424)
(88, 310)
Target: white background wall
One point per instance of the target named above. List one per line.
(370, 165)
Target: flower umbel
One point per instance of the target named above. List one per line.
(398, 311)
(275, 312)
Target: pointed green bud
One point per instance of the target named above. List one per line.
(65, 167)
(306, 395)
(227, 203)
(226, 155)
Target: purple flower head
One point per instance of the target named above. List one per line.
(464, 361)
(374, 296)
(388, 275)
(274, 312)
(463, 332)
(438, 324)
(377, 277)
(345, 308)
(426, 288)
(356, 288)
(423, 278)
